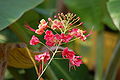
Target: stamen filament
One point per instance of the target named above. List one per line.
(77, 19)
(63, 16)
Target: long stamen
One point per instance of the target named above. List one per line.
(76, 20)
(73, 15)
(78, 24)
(59, 17)
(29, 28)
(63, 16)
(90, 32)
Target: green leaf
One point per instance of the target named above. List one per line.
(92, 13)
(7, 35)
(20, 32)
(47, 8)
(114, 10)
(19, 26)
(11, 10)
(31, 74)
(60, 68)
(51, 74)
(15, 73)
(108, 21)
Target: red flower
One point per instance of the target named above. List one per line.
(66, 38)
(67, 54)
(42, 26)
(83, 37)
(34, 40)
(45, 57)
(50, 43)
(75, 61)
(52, 39)
(74, 32)
(49, 35)
(78, 33)
(49, 19)
(39, 31)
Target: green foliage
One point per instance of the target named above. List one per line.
(20, 74)
(47, 8)
(7, 35)
(92, 12)
(60, 70)
(11, 10)
(114, 10)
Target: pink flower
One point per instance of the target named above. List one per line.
(49, 19)
(78, 33)
(83, 37)
(48, 35)
(57, 24)
(66, 38)
(34, 40)
(74, 32)
(51, 39)
(42, 26)
(39, 31)
(43, 21)
(75, 61)
(45, 57)
(67, 54)
(50, 43)
(57, 37)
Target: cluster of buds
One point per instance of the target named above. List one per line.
(63, 28)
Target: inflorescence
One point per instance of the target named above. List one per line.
(63, 28)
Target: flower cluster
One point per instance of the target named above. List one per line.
(52, 40)
(74, 60)
(63, 28)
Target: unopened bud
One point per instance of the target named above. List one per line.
(58, 13)
(78, 17)
(81, 23)
(49, 19)
(55, 16)
(71, 24)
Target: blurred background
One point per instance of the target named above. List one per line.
(101, 51)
